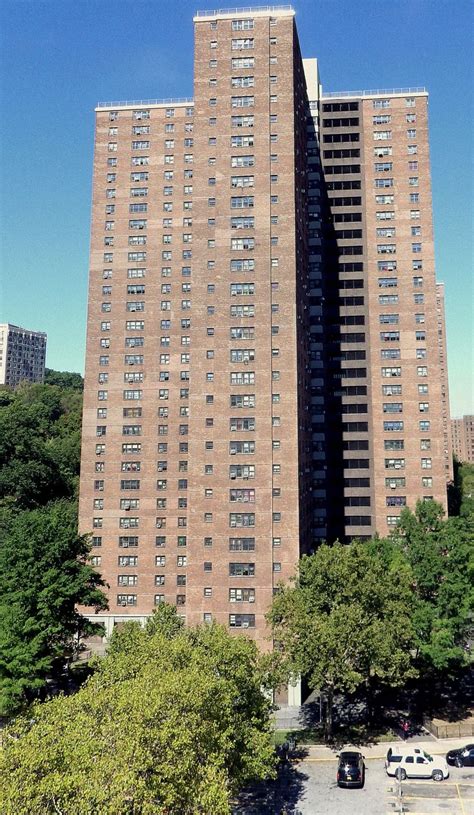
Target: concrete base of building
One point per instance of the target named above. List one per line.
(294, 693)
(109, 621)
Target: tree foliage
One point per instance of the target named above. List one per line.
(384, 610)
(43, 561)
(44, 574)
(466, 472)
(40, 429)
(173, 722)
(440, 553)
(65, 379)
(347, 619)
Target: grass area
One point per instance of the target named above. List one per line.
(355, 734)
(280, 736)
(310, 736)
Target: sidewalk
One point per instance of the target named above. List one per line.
(319, 752)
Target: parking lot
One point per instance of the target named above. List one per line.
(308, 787)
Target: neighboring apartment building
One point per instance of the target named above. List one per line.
(462, 434)
(379, 316)
(22, 355)
(443, 365)
(262, 364)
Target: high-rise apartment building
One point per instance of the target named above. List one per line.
(381, 422)
(462, 434)
(263, 367)
(22, 355)
(443, 369)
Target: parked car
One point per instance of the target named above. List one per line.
(413, 762)
(464, 757)
(351, 769)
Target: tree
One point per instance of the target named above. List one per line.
(165, 620)
(65, 379)
(441, 555)
(169, 724)
(467, 488)
(39, 445)
(346, 621)
(44, 574)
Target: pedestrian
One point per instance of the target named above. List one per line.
(405, 729)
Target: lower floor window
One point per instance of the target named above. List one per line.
(126, 599)
(242, 620)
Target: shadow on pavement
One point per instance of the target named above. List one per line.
(275, 797)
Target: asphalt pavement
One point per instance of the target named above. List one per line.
(306, 785)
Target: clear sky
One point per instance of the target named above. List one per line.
(59, 58)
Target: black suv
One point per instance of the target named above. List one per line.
(351, 769)
(464, 757)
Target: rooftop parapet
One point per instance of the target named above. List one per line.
(384, 92)
(259, 11)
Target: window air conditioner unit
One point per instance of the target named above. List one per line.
(123, 603)
(245, 625)
(252, 599)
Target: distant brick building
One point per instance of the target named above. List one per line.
(462, 434)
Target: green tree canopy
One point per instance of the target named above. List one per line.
(440, 553)
(169, 724)
(65, 379)
(347, 619)
(40, 429)
(466, 473)
(44, 574)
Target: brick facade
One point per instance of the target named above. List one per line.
(262, 303)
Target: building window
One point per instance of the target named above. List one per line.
(126, 599)
(241, 595)
(242, 620)
(242, 569)
(242, 44)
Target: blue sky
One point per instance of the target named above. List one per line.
(60, 57)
